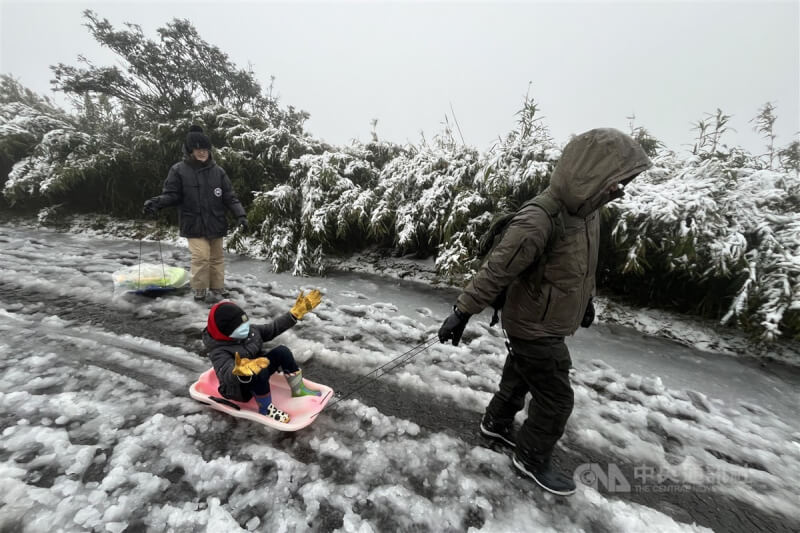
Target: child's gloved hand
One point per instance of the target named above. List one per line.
(249, 367)
(305, 303)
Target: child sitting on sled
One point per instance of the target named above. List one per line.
(236, 349)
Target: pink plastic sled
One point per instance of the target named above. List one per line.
(302, 411)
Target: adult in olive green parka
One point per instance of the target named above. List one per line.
(593, 169)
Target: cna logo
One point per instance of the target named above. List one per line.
(593, 475)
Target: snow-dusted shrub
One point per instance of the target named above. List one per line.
(324, 209)
(60, 150)
(25, 119)
(107, 166)
(420, 191)
(713, 237)
(514, 170)
(519, 167)
(340, 201)
(89, 160)
(87, 172)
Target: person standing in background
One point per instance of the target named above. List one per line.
(202, 192)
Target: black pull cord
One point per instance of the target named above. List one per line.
(160, 255)
(386, 368)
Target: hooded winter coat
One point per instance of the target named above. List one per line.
(590, 165)
(202, 191)
(223, 354)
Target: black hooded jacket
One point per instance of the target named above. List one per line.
(201, 191)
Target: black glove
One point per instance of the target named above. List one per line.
(150, 207)
(243, 223)
(588, 315)
(453, 326)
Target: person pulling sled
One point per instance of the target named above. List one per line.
(548, 283)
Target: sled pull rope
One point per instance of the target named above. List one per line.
(139, 281)
(386, 368)
(160, 256)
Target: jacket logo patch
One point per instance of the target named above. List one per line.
(217, 192)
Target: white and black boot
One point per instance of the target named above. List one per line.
(267, 408)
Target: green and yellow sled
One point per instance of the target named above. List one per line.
(149, 278)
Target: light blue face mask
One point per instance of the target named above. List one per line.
(242, 331)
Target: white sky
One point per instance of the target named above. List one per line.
(591, 64)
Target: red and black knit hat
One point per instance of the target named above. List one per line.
(224, 318)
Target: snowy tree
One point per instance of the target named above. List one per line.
(130, 121)
(161, 79)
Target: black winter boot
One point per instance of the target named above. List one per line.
(544, 475)
(498, 431)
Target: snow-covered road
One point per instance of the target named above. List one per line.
(98, 431)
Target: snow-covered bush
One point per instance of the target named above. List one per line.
(435, 198)
(420, 192)
(256, 150)
(323, 209)
(25, 119)
(713, 237)
(81, 170)
(514, 170)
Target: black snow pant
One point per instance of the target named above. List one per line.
(279, 357)
(540, 367)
